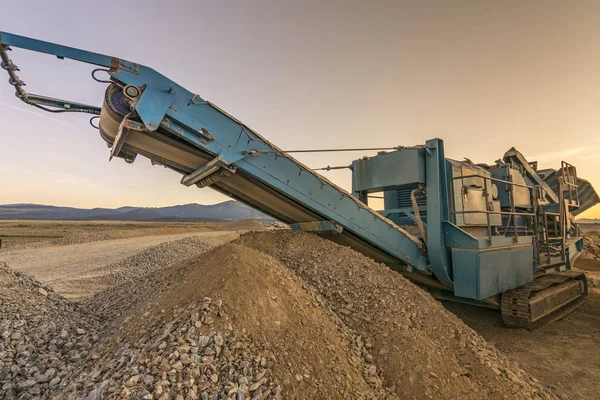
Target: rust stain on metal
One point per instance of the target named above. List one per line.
(117, 64)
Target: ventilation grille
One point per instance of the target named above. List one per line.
(404, 198)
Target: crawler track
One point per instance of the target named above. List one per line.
(545, 300)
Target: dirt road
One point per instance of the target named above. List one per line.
(77, 271)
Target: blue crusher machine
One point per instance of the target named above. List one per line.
(500, 236)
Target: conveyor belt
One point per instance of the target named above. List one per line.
(256, 182)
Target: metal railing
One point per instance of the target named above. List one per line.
(568, 173)
(540, 218)
(549, 228)
(513, 213)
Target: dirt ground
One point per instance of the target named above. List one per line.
(19, 233)
(564, 356)
(76, 271)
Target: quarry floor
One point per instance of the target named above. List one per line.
(77, 271)
(564, 357)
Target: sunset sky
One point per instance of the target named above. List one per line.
(482, 75)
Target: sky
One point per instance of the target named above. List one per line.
(482, 75)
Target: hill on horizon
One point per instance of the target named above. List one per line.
(587, 220)
(226, 211)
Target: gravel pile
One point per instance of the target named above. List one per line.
(83, 238)
(156, 257)
(422, 350)
(317, 355)
(187, 355)
(591, 246)
(44, 339)
(243, 225)
(304, 350)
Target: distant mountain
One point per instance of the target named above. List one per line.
(226, 211)
(232, 209)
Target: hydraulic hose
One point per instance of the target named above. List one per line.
(413, 200)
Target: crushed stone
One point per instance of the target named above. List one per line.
(422, 350)
(44, 338)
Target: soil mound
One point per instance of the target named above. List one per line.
(300, 345)
(422, 350)
(591, 246)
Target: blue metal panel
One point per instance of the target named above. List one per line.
(505, 241)
(457, 238)
(66, 52)
(500, 271)
(153, 111)
(479, 274)
(437, 210)
(466, 273)
(390, 199)
(389, 170)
